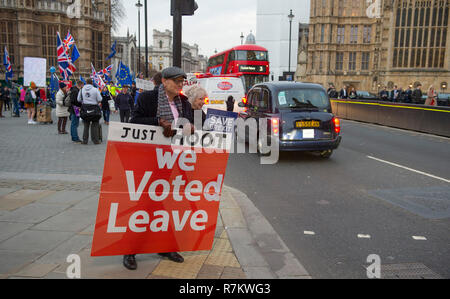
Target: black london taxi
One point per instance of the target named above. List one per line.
(298, 114)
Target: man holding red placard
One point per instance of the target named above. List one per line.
(157, 197)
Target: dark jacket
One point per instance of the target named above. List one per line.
(3, 94)
(417, 96)
(74, 98)
(105, 99)
(384, 95)
(123, 101)
(147, 107)
(343, 94)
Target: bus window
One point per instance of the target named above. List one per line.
(251, 55)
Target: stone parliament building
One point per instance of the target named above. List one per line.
(28, 29)
(403, 43)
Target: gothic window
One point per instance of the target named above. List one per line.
(352, 61)
(7, 39)
(97, 49)
(354, 34)
(341, 34)
(365, 61)
(339, 61)
(367, 34)
(322, 33)
(420, 34)
(48, 33)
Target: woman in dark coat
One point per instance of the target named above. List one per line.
(106, 97)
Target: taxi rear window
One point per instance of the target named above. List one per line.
(301, 98)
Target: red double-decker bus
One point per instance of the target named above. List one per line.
(250, 61)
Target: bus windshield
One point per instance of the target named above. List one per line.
(249, 55)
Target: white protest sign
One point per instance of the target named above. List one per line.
(144, 84)
(35, 70)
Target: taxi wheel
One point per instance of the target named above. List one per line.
(326, 154)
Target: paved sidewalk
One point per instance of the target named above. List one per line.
(41, 228)
(49, 190)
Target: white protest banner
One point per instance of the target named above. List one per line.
(144, 84)
(35, 70)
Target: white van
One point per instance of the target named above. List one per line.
(219, 89)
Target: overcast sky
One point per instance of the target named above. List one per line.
(217, 24)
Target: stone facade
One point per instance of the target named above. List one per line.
(127, 52)
(302, 59)
(161, 54)
(400, 42)
(28, 29)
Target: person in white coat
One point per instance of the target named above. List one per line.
(91, 97)
(62, 112)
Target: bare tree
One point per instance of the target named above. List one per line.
(118, 13)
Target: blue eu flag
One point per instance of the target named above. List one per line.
(113, 51)
(75, 54)
(54, 86)
(123, 75)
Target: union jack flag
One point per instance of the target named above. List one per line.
(68, 42)
(7, 64)
(96, 77)
(7, 61)
(106, 71)
(66, 67)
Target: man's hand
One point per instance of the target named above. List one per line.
(167, 126)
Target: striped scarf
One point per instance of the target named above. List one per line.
(164, 111)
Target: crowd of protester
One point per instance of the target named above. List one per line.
(69, 105)
(396, 95)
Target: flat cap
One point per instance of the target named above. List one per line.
(173, 72)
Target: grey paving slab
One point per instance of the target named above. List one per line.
(55, 275)
(32, 213)
(88, 204)
(72, 246)
(13, 261)
(35, 270)
(249, 256)
(5, 191)
(49, 177)
(66, 197)
(71, 220)
(9, 229)
(31, 241)
(20, 198)
(233, 218)
(57, 153)
(111, 267)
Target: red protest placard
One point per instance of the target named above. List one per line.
(156, 197)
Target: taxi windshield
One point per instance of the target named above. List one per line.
(303, 98)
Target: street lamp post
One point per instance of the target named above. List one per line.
(242, 38)
(291, 17)
(139, 6)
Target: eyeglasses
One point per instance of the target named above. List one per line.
(179, 81)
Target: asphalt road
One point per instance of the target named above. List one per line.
(384, 192)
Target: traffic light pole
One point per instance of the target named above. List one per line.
(146, 41)
(177, 34)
